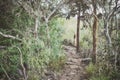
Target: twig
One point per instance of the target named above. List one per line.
(22, 65)
(10, 36)
(6, 73)
(2, 47)
(57, 7)
(86, 59)
(27, 7)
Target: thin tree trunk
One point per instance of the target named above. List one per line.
(36, 27)
(117, 36)
(106, 31)
(78, 26)
(95, 26)
(48, 32)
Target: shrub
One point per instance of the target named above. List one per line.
(91, 69)
(101, 77)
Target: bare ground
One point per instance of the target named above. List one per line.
(74, 68)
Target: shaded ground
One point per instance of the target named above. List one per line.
(74, 68)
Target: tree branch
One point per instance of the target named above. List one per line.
(5, 73)
(2, 47)
(10, 36)
(27, 8)
(58, 6)
(22, 65)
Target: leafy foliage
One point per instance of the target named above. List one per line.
(34, 51)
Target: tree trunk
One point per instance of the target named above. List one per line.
(36, 27)
(48, 32)
(106, 31)
(78, 26)
(95, 26)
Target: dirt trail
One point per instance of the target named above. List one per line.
(74, 68)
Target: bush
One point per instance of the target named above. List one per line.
(101, 77)
(35, 52)
(91, 69)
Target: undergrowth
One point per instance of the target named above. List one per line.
(31, 55)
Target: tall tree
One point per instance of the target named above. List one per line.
(78, 28)
(76, 7)
(95, 26)
(41, 10)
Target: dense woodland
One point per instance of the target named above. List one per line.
(37, 42)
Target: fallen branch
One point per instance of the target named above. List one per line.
(2, 47)
(86, 59)
(22, 65)
(10, 36)
(6, 73)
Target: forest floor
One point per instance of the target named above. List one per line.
(74, 68)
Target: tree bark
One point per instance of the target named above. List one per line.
(78, 26)
(95, 26)
(106, 31)
(36, 27)
(48, 32)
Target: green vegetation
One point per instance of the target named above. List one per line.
(91, 69)
(35, 53)
(100, 78)
(32, 35)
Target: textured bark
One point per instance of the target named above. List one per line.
(78, 26)
(95, 26)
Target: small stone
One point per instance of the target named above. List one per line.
(74, 66)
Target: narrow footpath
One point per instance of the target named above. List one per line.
(74, 68)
